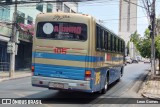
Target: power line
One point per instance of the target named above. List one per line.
(123, 18)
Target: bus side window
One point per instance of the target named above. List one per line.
(115, 44)
(109, 42)
(111, 36)
(123, 47)
(113, 49)
(101, 39)
(105, 40)
(118, 45)
(97, 37)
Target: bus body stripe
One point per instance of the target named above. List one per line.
(67, 57)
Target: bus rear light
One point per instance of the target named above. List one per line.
(88, 75)
(32, 69)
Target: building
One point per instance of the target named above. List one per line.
(26, 15)
(128, 21)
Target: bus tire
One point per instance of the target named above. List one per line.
(104, 90)
(120, 75)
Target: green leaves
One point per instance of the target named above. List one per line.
(143, 45)
(157, 45)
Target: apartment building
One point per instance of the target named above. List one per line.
(26, 14)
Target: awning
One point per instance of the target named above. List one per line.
(3, 38)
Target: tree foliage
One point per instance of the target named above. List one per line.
(143, 44)
(157, 44)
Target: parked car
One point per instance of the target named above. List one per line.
(134, 61)
(147, 61)
(128, 60)
(139, 58)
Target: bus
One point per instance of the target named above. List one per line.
(74, 52)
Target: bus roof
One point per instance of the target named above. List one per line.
(63, 13)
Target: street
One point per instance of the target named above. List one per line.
(126, 88)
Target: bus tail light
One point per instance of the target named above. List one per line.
(88, 75)
(32, 69)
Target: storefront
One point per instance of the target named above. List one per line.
(4, 56)
(24, 54)
(23, 58)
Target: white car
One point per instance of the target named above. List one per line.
(128, 60)
(147, 61)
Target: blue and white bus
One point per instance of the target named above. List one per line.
(74, 52)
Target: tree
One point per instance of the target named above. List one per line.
(134, 38)
(157, 44)
(128, 47)
(143, 45)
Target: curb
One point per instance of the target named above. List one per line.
(143, 94)
(6, 79)
(150, 97)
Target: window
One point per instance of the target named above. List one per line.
(116, 44)
(106, 40)
(49, 7)
(20, 17)
(113, 47)
(39, 7)
(109, 41)
(5, 13)
(112, 42)
(120, 46)
(103, 40)
(123, 46)
(59, 6)
(62, 31)
(29, 20)
(98, 38)
(66, 8)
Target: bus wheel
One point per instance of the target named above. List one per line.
(104, 90)
(120, 75)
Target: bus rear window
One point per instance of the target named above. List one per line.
(62, 31)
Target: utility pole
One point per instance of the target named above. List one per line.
(152, 34)
(13, 37)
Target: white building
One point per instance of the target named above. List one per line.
(26, 15)
(28, 12)
(128, 22)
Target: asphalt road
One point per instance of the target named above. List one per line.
(127, 87)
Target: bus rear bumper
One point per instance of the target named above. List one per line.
(67, 84)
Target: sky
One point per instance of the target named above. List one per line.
(108, 11)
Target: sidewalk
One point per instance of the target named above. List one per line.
(18, 74)
(151, 87)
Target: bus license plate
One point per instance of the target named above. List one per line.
(56, 85)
